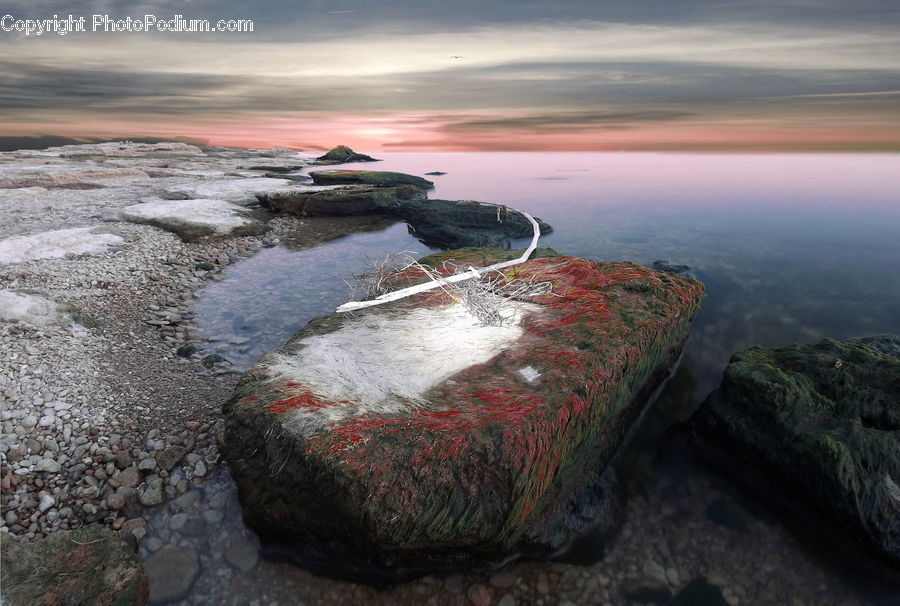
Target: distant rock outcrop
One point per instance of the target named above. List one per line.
(338, 200)
(379, 178)
(343, 155)
(819, 426)
(408, 437)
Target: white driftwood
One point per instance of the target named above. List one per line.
(467, 275)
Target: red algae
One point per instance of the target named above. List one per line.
(474, 463)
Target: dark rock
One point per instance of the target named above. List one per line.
(818, 426)
(172, 572)
(186, 351)
(464, 223)
(343, 155)
(350, 200)
(673, 268)
(90, 565)
(727, 513)
(204, 266)
(241, 553)
(169, 458)
(507, 447)
(213, 359)
(699, 593)
(377, 178)
(645, 590)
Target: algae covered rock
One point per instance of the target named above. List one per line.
(464, 223)
(820, 422)
(342, 155)
(89, 566)
(379, 178)
(407, 437)
(339, 200)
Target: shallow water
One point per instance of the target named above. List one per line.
(791, 248)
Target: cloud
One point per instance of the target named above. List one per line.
(567, 121)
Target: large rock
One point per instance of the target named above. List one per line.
(57, 243)
(378, 178)
(195, 220)
(90, 565)
(818, 425)
(464, 223)
(408, 437)
(339, 200)
(342, 155)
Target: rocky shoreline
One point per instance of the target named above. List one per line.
(102, 414)
(108, 414)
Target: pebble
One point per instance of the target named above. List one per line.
(46, 503)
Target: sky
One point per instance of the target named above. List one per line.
(466, 75)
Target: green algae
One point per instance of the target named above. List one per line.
(825, 419)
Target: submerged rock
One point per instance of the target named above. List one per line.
(194, 220)
(339, 200)
(90, 565)
(342, 155)
(408, 437)
(820, 426)
(379, 178)
(464, 223)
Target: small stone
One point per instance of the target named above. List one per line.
(455, 583)
(123, 459)
(168, 458)
(503, 580)
(200, 469)
(29, 421)
(172, 572)
(152, 544)
(153, 494)
(479, 595)
(46, 421)
(129, 477)
(241, 553)
(148, 464)
(46, 503)
(48, 465)
(507, 600)
(115, 502)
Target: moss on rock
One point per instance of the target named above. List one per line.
(823, 420)
(487, 464)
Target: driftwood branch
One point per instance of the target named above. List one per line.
(473, 272)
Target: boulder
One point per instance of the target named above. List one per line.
(339, 200)
(407, 437)
(195, 220)
(464, 223)
(31, 309)
(817, 427)
(90, 565)
(342, 155)
(378, 178)
(57, 243)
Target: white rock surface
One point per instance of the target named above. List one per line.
(33, 309)
(406, 354)
(239, 191)
(55, 244)
(213, 217)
